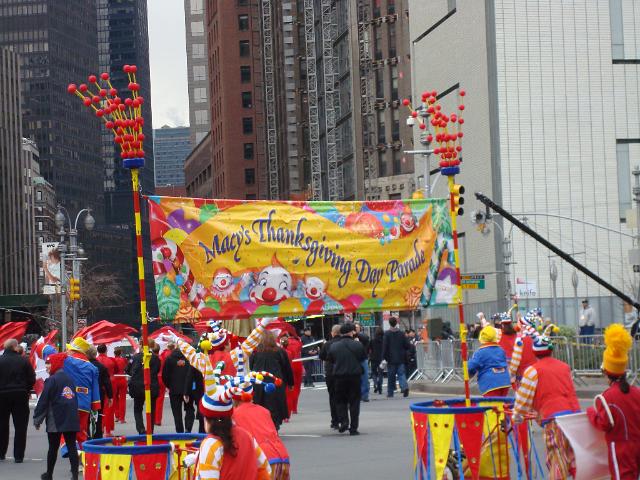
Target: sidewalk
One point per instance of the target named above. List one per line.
(593, 387)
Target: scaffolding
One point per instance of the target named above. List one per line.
(312, 100)
(366, 109)
(269, 100)
(329, 34)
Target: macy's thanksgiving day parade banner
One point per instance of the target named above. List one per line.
(234, 259)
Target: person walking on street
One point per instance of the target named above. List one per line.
(193, 392)
(588, 319)
(363, 338)
(174, 376)
(136, 387)
(375, 358)
(120, 386)
(58, 408)
(306, 339)
(411, 362)
(17, 378)
(106, 390)
(394, 351)
(328, 374)
(162, 388)
(293, 347)
(108, 409)
(347, 356)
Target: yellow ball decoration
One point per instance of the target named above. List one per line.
(166, 291)
(205, 345)
(260, 377)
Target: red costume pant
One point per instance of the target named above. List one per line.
(107, 412)
(159, 405)
(120, 397)
(294, 394)
(625, 465)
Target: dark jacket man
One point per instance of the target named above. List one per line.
(17, 378)
(136, 386)
(328, 374)
(347, 355)
(174, 375)
(193, 392)
(394, 346)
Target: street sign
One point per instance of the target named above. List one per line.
(367, 319)
(473, 282)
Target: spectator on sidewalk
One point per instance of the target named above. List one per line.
(17, 378)
(347, 356)
(394, 352)
(136, 387)
(58, 407)
(306, 339)
(106, 390)
(328, 374)
(375, 358)
(363, 338)
(174, 376)
(588, 319)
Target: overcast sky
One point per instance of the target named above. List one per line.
(168, 58)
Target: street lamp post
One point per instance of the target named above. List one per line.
(574, 282)
(553, 273)
(89, 223)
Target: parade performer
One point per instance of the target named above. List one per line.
(57, 408)
(85, 378)
(120, 386)
(229, 452)
(547, 389)
(617, 411)
(218, 340)
(293, 347)
(522, 355)
(490, 363)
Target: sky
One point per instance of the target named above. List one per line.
(168, 59)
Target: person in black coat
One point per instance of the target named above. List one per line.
(347, 356)
(269, 357)
(106, 389)
(375, 358)
(193, 392)
(174, 375)
(136, 387)
(328, 374)
(394, 350)
(58, 406)
(17, 378)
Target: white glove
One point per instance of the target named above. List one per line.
(169, 337)
(266, 321)
(383, 364)
(190, 459)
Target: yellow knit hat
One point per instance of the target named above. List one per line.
(618, 342)
(78, 344)
(488, 335)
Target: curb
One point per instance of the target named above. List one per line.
(584, 393)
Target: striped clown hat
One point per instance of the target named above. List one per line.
(245, 380)
(542, 345)
(504, 317)
(219, 401)
(218, 335)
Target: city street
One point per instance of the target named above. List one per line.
(383, 450)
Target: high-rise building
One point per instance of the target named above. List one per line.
(57, 42)
(197, 70)
(123, 40)
(18, 261)
(236, 106)
(171, 147)
(552, 131)
(198, 170)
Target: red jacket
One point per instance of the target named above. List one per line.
(625, 410)
(555, 393)
(243, 465)
(224, 356)
(257, 421)
(109, 363)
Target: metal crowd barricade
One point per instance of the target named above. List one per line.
(587, 355)
(429, 361)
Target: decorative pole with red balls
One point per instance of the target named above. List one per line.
(448, 146)
(124, 119)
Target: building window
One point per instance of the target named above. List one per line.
(39, 226)
(245, 74)
(197, 50)
(396, 161)
(376, 8)
(244, 48)
(199, 95)
(249, 176)
(39, 195)
(394, 82)
(199, 73)
(382, 138)
(392, 40)
(197, 29)
(382, 164)
(247, 125)
(627, 151)
(379, 83)
(243, 23)
(248, 151)
(202, 117)
(243, 3)
(250, 196)
(378, 43)
(395, 126)
(247, 101)
(197, 7)
(391, 7)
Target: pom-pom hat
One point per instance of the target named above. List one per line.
(616, 354)
(542, 345)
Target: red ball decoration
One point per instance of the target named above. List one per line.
(140, 154)
(278, 382)
(141, 137)
(431, 110)
(454, 117)
(438, 107)
(436, 151)
(405, 102)
(460, 134)
(461, 121)
(458, 148)
(87, 102)
(414, 114)
(443, 163)
(133, 68)
(117, 100)
(118, 139)
(434, 93)
(140, 99)
(423, 126)
(83, 87)
(135, 103)
(92, 79)
(72, 88)
(113, 92)
(103, 92)
(434, 122)
(461, 107)
(109, 124)
(99, 113)
(96, 99)
(140, 120)
(126, 68)
(104, 76)
(122, 107)
(123, 154)
(432, 99)
(462, 93)
(429, 138)
(128, 102)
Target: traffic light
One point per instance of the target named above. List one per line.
(457, 200)
(74, 289)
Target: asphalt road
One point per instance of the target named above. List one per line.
(382, 451)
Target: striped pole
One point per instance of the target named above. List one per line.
(464, 353)
(146, 354)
